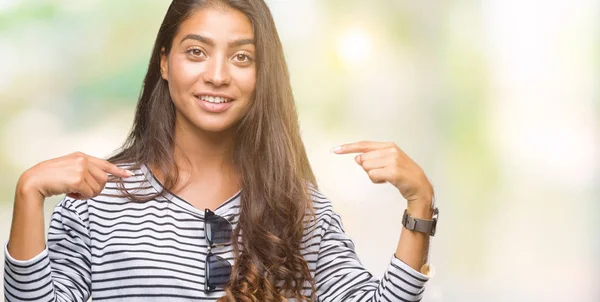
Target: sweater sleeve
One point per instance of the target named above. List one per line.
(340, 276)
(62, 272)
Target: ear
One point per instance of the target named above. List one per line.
(164, 64)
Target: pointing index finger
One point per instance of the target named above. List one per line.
(111, 168)
(360, 147)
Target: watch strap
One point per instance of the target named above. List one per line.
(421, 225)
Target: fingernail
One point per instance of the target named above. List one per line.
(129, 173)
(336, 149)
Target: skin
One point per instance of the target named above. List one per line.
(213, 52)
(205, 138)
(79, 175)
(386, 162)
(220, 62)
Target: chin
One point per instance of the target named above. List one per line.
(214, 126)
(212, 123)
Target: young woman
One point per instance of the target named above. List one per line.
(212, 196)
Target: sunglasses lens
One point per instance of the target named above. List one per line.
(218, 229)
(218, 271)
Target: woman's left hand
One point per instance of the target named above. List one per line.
(385, 162)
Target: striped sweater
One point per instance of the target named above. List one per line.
(112, 249)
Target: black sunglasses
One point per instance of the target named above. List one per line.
(218, 231)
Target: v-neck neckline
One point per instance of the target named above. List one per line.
(158, 186)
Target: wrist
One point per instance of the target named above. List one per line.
(26, 189)
(421, 208)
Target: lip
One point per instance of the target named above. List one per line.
(213, 107)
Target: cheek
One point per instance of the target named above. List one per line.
(247, 83)
(182, 75)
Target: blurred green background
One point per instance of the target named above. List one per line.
(497, 100)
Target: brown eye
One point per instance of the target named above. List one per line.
(195, 52)
(242, 58)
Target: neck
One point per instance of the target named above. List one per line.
(202, 153)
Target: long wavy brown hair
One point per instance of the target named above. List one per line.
(269, 153)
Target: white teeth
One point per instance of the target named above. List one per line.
(214, 99)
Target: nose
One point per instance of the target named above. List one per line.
(217, 72)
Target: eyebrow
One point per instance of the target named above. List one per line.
(211, 42)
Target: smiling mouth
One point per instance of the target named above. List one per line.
(214, 99)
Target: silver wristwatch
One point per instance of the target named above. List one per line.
(421, 225)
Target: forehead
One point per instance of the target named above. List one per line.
(218, 23)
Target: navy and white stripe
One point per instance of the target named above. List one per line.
(109, 248)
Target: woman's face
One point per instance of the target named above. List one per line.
(211, 69)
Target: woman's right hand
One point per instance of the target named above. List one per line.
(78, 175)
